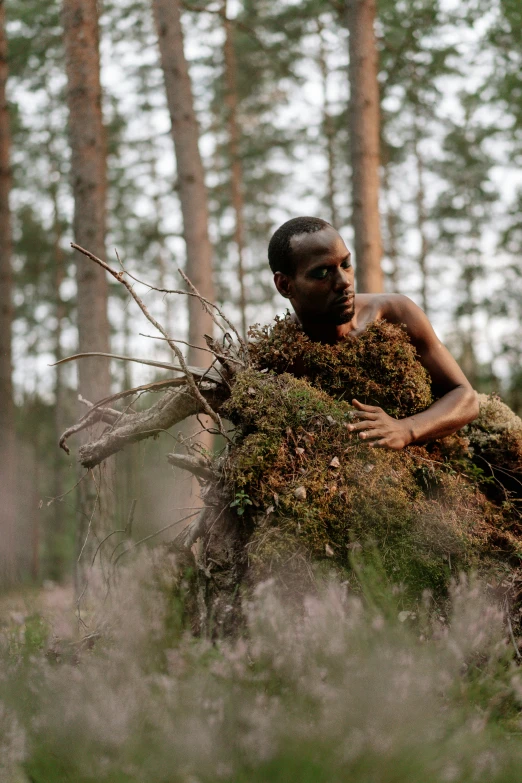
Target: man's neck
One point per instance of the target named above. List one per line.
(329, 334)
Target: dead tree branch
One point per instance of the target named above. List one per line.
(120, 277)
(195, 465)
(173, 407)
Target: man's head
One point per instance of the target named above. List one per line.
(312, 269)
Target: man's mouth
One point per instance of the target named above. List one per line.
(343, 301)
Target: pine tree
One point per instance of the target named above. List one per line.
(364, 142)
(89, 185)
(190, 173)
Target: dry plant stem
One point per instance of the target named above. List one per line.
(195, 293)
(173, 407)
(211, 350)
(119, 276)
(207, 306)
(106, 411)
(197, 371)
(153, 535)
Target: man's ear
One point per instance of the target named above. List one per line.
(283, 283)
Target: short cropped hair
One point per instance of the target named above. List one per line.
(280, 256)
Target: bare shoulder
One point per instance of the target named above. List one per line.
(396, 309)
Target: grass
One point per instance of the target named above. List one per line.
(343, 688)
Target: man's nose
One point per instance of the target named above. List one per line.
(342, 279)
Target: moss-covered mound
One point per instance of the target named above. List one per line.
(307, 491)
(301, 494)
(378, 368)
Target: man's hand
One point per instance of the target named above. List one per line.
(379, 429)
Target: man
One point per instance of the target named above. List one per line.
(313, 270)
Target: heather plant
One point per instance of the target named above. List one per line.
(337, 687)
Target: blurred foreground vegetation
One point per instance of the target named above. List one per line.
(346, 687)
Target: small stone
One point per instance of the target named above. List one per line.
(300, 493)
(329, 551)
(403, 616)
(251, 391)
(334, 463)
(368, 467)
(299, 451)
(270, 510)
(331, 421)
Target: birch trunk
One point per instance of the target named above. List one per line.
(364, 142)
(7, 423)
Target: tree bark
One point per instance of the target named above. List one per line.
(89, 180)
(364, 138)
(89, 184)
(391, 243)
(7, 422)
(56, 548)
(329, 133)
(420, 203)
(191, 179)
(236, 167)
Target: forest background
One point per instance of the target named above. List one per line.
(271, 96)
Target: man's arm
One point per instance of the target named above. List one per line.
(457, 404)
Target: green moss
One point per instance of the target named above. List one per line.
(318, 493)
(379, 368)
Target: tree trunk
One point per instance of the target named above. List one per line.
(329, 133)
(89, 183)
(364, 140)
(391, 242)
(56, 544)
(7, 423)
(420, 203)
(191, 179)
(236, 167)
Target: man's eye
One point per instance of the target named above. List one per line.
(320, 273)
(346, 264)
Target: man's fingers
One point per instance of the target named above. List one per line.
(370, 434)
(362, 407)
(362, 425)
(378, 444)
(365, 415)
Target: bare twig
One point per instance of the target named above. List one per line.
(196, 371)
(153, 535)
(180, 292)
(97, 498)
(93, 416)
(210, 349)
(207, 306)
(120, 277)
(106, 411)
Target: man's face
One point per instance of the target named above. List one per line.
(322, 287)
